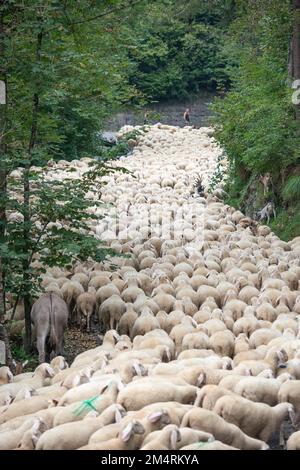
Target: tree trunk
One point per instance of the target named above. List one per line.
(3, 174)
(26, 209)
(26, 264)
(295, 53)
(2, 162)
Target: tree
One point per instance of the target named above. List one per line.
(3, 177)
(295, 53)
(54, 54)
(256, 121)
(177, 48)
(2, 159)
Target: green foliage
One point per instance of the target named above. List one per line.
(121, 148)
(21, 356)
(220, 175)
(67, 69)
(177, 50)
(291, 190)
(58, 230)
(255, 122)
(81, 74)
(287, 223)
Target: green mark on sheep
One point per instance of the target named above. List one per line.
(202, 444)
(85, 405)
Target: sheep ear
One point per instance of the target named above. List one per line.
(285, 355)
(137, 369)
(138, 428)
(61, 363)
(201, 380)
(10, 377)
(87, 372)
(292, 414)
(25, 363)
(76, 381)
(49, 371)
(277, 302)
(116, 336)
(36, 426)
(168, 353)
(53, 402)
(105, 388)
(36, 431)
(127, 432)
(9, 399)
(174, 438)
(120, 385)
(34, 438)
(248, 372)
(155, 416)
(282, 356)
(118, 415)
(27, 394)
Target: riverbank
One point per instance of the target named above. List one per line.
(167, 113)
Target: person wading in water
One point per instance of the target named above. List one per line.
(186, 116)
(146, 118)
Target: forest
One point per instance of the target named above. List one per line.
(66, 68)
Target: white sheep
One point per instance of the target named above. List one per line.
(229, 434)
(257, 420)
(111, 311)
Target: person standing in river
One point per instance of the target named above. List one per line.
(186, 116)
(146, 118)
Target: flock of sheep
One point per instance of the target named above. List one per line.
(202, 342)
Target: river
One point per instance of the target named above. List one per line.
(166, 113)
